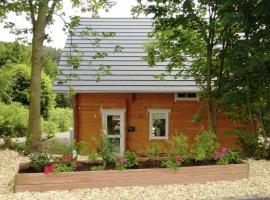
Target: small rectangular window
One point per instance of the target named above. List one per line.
(186, 96)
(159, 120)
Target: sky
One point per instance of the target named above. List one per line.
(121, 9)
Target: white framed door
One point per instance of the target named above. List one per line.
(113, 121)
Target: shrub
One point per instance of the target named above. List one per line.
(153, 150)
(39, 161)
(50, 128)
(17, 79)
(104, 148)
(13, 121)
(17, 146)
(55, 147)
(97, 168)
(92, 156)
(65, 163)
(179, 146)
(131, 158)
(252, 144)
(205, 146)
(62, 117)
(120, 163)
(225, 156)
(172, 162)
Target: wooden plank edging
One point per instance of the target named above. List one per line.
(131, 177)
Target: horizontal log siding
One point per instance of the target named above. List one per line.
(89, 119)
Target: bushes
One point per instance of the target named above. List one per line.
(13, 120)
(59, 120)
(50, 128)
(205, 146)
(179, 146)
(62, 117)
(17, 87)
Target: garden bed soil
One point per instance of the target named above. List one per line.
(83, 178)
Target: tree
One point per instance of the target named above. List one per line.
(223, 44)
(41, 14)
(246, 80)
(14, 53)
(17, 87)
(190, 35)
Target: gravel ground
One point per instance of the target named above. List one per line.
(258, 184)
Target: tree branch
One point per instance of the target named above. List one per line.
(32, 12)
(51, 11)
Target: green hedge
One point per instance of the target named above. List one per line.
(62, 117)
(13, 120)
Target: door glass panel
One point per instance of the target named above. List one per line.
(115, 144)
(113, 124)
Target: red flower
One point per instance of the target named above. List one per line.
(178, 159)
(49, 168)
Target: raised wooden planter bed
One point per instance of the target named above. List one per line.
(132, 177)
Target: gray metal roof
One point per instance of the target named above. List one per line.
(129, 71)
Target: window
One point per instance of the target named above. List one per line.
(159, 123)
(186, 96)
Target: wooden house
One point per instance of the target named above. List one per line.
(134, 107)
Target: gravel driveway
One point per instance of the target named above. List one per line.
(258, 184)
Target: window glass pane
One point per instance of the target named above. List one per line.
(181, 95)
(158, 124)
(191, 95)
(113, 124)
(115, 142)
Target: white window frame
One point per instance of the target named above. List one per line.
(164, 111)
(176, 98)
(121, 112)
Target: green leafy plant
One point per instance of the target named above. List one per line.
(39, 161)
(49, 128)
(56, 147)
(225, 156)
(62, 117)
(253, 144)
(172, 162)
(13, 122)
(17, 146)
(104, 148)
(179, 146)
(97, 168)
(131, 159)
(153, 151)
(92, 156)
(120, 163)
(205, 146)
(61, 164)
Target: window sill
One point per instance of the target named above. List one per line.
(159, 138)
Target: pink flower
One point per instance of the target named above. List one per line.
(221, 153)
(122, 161)
(178, 159)
(49, 168)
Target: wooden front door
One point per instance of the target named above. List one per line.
(113, 125)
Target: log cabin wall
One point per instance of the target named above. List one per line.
(89, 117)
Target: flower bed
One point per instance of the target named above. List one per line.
(205, 161)
(132, 177)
